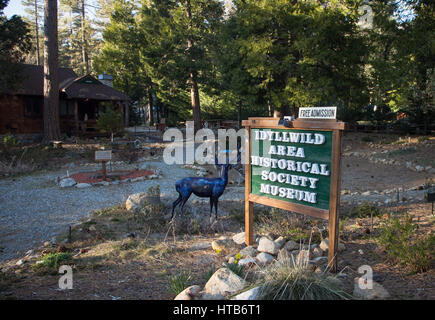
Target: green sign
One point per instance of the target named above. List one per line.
(292, 165)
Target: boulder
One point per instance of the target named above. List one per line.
(135, 201)
(317, 252)
(268, 246)
(251, 294)
(280, 242)
(324, 245)
(264, 258)
(377, 292)
(67, 182)
(291, 245)
(222, 244)
(246, 262)
(83, 185)
(239, 238)
(190, 293)
(248, 252)
(222, 283)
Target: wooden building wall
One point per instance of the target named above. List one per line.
(13, 118)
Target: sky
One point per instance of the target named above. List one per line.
(14, 7)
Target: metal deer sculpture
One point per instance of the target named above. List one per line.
(211, 188)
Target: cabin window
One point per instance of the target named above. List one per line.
(32, 106)
(66, 107)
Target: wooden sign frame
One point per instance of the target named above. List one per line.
(332, 215)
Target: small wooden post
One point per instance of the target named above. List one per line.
(76, 115)
(249, 206)
(103, 163)
(334, 200)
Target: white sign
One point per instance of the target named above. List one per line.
(103, 155)
(318, 113)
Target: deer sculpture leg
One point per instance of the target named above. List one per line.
(176, 202)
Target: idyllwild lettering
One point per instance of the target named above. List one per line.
(291, 137)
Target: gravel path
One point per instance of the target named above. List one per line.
(33, 209)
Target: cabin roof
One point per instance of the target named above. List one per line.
(73, 86)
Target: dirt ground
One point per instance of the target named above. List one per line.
(116, 254)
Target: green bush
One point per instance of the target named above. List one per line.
(55, 260)
(289, 280)
(401, 243)
(178, 282)
(237, 269)
(110, 122)
(366, 210)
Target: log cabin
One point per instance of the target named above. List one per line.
(81, 99)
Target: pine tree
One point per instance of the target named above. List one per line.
(34, 9)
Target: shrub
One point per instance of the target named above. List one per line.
(51, 262)
(179, 282)
(366, 210)
(237, 269)
(288, 280)
(110, 122)
(399, 239)
(277, 221)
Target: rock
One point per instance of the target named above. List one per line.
(222, 244)
(341, 247)
(67, 182)
(251, 294)
(377, 292)
(320, 260)
(239, 238)
(324, 245)
(317, 252)
(199, 246)
(248, 252)
(280, 242)
(135, 201)
(246, 262)
(222, 283)
(83, 185)
(291, 245)
(264, 258)
(190, 293)
(268, 246)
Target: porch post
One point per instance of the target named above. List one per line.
(76, 115)
(126, 114)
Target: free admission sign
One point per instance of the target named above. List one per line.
(296, 168)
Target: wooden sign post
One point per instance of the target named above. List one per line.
(103, 157)
(296, 168)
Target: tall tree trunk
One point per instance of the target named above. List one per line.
(150, 107)
(85, 57)
(239, 114)
(51, 80)
(194, 92)
(38, 62)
